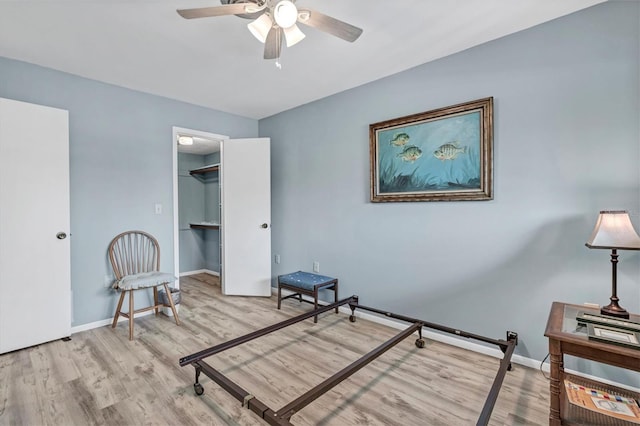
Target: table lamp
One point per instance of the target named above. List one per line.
(614, 231)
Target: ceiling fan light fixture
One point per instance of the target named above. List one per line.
(285, 14)
(293, 35)
(260, 27)
(275, 20)
(185, 140)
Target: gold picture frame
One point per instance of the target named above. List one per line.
(440, 155)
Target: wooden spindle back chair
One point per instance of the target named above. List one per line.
(135, 258)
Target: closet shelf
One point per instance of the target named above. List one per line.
(204, 225)
(205, 169)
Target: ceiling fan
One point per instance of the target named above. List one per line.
(273, 18)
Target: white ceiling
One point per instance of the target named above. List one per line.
(215, 62)
(200, 145)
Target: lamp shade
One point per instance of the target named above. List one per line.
(293, 35)
(260, 27)
(614, 230)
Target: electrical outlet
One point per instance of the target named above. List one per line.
(158, 208)
(276, 258)
(316, 266)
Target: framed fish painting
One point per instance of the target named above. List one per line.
(440, 155)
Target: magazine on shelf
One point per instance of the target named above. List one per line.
(620, 407)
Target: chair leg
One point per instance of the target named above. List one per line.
(155, 299)
(335, 294)
(115, 317)
(130, 314)
(173, 306)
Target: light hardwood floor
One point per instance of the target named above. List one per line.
(102, 378)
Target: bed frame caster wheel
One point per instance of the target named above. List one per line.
(197, 387)
(352, 318)
(420, 343)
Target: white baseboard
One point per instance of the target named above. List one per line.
(463, 344)
(166, 311)
(102, 323)
(91, 325)
(199, 271)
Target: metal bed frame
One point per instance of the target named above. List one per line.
(282, 416)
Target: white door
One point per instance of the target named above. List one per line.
(245, 195)
(35, 284)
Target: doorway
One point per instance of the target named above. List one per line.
(196, 202)
(231, 217)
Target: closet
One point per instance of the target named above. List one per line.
(211, 196)
(199, 212)
(224, 213)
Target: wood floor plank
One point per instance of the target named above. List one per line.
(102, 378)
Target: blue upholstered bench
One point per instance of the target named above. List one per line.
(308, 284)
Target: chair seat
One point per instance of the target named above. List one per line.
(143, 280)
(304, 280)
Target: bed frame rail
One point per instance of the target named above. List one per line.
(282, 416)
(311, 395)
(259, 333)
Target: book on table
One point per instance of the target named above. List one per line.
(620, 407)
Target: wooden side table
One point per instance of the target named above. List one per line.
(566, 339)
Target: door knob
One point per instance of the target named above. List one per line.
(61, 235)
(265, 226)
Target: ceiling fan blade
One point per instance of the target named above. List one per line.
(273, 44)
(329, 25)
(206, 12)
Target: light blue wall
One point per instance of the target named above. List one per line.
(120, 166)
(191, 208)
(566, 146)
(212, 190)
(212, 214)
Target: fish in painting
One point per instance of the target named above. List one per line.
(449, 151)
(399, 139)
(410, 154)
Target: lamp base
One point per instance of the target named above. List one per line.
(614, 310)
